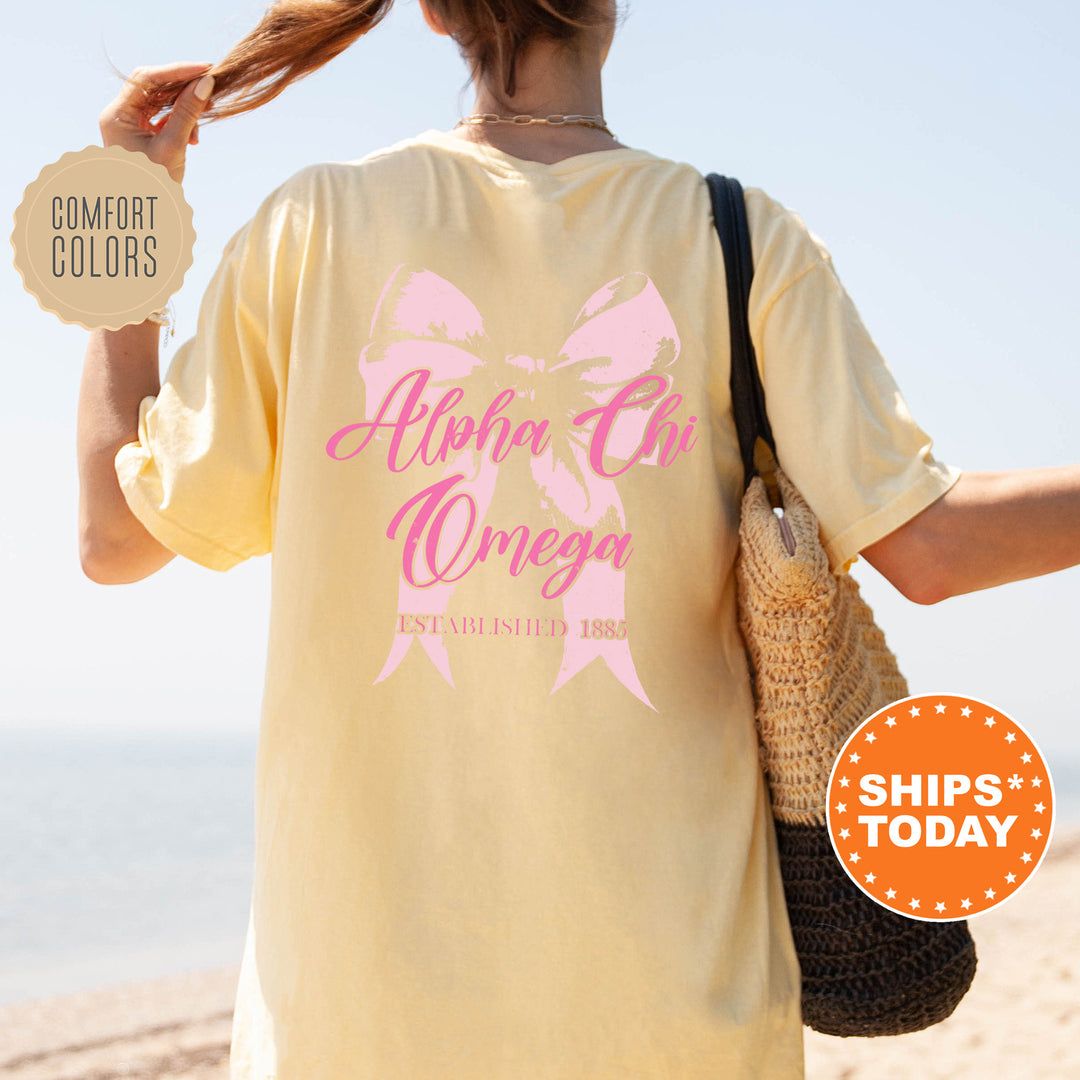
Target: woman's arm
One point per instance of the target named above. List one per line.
(121, 366)
(989, 528)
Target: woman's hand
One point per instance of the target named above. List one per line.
(128, 120)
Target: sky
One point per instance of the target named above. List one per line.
(932, 146)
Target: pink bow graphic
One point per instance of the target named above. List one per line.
(624, 331)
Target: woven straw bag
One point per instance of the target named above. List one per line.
(820, 667)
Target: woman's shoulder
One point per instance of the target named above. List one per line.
(779, 235)
(784, 248)
(782, 245)
(308, 182)
(772, 217)
(399, 155)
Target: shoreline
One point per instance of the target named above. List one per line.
(1021, 1017)
(177, 1027)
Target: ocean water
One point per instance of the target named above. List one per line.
(122, 856)
(129, 856)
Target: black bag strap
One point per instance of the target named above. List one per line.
(747, 393)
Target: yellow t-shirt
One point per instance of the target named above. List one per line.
(510, 823)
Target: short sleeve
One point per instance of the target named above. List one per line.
(202, 475)
(844, 434)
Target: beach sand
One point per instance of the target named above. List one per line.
(1020, 1020)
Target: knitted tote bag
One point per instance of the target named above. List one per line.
(820, 667)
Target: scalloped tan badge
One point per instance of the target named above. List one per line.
(103, 237)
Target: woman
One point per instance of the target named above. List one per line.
(471, 391)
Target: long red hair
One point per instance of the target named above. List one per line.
(296, 37)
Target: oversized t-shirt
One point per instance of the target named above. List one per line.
(510, 823)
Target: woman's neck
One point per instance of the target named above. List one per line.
(538, 142)
(549, 80)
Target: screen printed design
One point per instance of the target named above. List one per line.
(444, 404)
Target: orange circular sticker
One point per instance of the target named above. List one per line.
(103, 237)
(940, 807)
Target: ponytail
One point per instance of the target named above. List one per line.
(296, 37)
(293, 39)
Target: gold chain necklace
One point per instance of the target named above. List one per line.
(555, 120)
